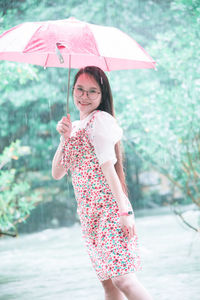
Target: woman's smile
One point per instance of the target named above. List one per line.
(83, 104)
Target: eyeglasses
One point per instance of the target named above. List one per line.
(91, 94)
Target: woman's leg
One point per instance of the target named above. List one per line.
(111, 291)
(131, 287)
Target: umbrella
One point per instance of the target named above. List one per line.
(71, 43)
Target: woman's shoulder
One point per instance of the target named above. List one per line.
(103, 113)
(106, 124)
(104, 116)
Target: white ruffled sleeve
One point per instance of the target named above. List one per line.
(106, 133)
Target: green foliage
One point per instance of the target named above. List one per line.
(168, 134)
(160, 115)
(13, 75)
(16, 199)
(158, 110)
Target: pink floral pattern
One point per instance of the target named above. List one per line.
(110, 252)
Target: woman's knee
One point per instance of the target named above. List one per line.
(124, 282)
(108, 285)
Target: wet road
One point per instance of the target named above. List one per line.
(53, 264)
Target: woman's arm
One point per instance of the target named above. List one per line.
(64, 127)
(58, 170)
(115, 185)
(127, 222)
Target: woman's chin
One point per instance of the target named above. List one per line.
(85, 108)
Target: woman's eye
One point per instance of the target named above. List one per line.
(79, 89)
(92, 91)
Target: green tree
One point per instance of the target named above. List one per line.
(164, 130)
(157, 110)
(16, 199)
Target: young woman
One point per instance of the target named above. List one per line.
(90, 149)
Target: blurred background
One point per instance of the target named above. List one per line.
(159, 112)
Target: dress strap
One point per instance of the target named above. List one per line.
(91, 119)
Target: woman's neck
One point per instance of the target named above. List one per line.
(84, 115)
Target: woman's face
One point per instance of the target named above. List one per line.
(88, 101)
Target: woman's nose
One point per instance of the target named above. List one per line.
(85, 93)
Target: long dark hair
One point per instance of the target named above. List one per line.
(107, 105)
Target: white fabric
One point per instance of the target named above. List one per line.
(103, 135)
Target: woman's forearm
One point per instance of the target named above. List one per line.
(58, 170)
(64, 128)
(112, 178)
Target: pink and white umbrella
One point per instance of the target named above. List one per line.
(71, 43)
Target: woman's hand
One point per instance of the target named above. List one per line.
(128, 225)
(64, 127)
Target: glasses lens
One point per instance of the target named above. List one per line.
(78, 92)
(92, 94)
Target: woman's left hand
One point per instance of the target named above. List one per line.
(128, 225)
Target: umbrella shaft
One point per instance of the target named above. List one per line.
(68, 86)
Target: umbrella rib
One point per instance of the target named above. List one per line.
(106, 63)
(45, 64)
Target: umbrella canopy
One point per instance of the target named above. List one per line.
(72, 43)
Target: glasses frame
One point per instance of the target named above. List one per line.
(83, 91)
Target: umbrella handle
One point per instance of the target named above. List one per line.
(68, 85)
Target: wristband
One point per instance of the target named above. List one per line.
(128, 213)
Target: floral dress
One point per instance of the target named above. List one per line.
(108, 247)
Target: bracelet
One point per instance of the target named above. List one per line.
(128, 213)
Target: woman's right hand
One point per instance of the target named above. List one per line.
(64, 127)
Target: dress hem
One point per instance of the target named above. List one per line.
(117, 275)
